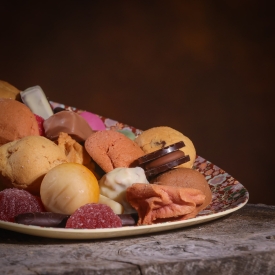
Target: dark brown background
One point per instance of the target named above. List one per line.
(205, 68)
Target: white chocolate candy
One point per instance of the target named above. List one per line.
(114, 184)
(116, 207)
(36, 100)
(67, 187)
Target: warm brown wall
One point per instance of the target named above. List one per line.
(205, 68)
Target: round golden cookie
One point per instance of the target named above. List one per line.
(8, 91)
(24, 162)
(67, 187)
(158, 137)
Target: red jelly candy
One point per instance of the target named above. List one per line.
(40, 121)
(14, 201)
(92, 216)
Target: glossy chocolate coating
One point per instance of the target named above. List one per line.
(164, 159)
(128, 219)
(167, 166)
(58, 109)
(46, 219)
(49, 219)
(161, 152)
(67, 122)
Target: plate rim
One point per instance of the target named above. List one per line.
(106, 233)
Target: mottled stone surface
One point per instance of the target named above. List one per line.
(240, 243)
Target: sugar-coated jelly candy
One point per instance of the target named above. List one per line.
(92, 216)
(40, 121)
(14, 201)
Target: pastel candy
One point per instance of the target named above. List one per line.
(93, 120)
(113, 185)
(37, 101)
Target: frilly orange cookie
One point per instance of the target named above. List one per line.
(161, 203)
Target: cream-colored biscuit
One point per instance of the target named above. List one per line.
(158, 137)
(76, 153)
(24, 162)
(8, 91)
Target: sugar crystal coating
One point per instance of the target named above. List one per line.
(14, 201)
(40, 121)
(92, 216)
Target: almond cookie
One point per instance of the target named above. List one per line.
(8, 91)
(111, 149)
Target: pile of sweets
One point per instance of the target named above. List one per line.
(64, 168)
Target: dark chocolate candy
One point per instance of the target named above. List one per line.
(128, 219)
(47, 219)
(161, 152)
(164, 159)
(58, 109)
(167, 166)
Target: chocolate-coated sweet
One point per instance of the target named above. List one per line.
(163, 159)
(159, 153)
(67, 122)
(46, 219)
(49, 219)
(58, 109)
(128, 219)
(165, 167)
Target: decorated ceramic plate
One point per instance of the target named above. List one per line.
(228, 195)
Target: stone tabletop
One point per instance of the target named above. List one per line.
(240, 243)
